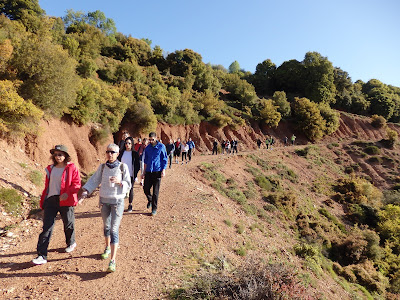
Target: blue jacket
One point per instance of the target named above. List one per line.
(155, 157)
(191, 144)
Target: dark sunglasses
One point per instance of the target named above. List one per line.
(58, 154)
(110, 151)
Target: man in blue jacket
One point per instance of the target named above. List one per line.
(155, 163)
(191, 145)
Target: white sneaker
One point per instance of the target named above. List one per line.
(70, 248)
(39, 260)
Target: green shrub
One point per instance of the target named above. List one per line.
(372, 150)
(357, 190)
(306, 250)
(392, 137)
(378, 121)
(267, 183)
(228, 222)
(375, 160)
(36, 177)
(11, 200)
(332, 218)
(239, 228)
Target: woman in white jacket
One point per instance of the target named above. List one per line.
(184, 150)
(115, 181)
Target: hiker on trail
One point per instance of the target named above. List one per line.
(115, 181)
(285, 141)
(227, 147)
(234, 146)
(215, 148)
(131, 158)
(170, 151)
(62, 184)
(267, 142)
(272, 141)
(137, 145)
(223, 147)
(140, 151)
(191, 149)
(155, 163)
(259, 143)
(184, 148)
(125, 134)
(293, 139)
(177, 150)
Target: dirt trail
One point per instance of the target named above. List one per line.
(149, 260)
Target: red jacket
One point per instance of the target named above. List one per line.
(70, 184)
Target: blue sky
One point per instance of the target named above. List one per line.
(360, 37)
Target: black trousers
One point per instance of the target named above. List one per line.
(51, 207)
(190, 154)
(215, 150)
(131, 193)
(152, 180)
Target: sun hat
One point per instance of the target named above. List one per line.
(59, 148)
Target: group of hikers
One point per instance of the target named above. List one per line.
(229, 147)
(116, 177)
(270, 141)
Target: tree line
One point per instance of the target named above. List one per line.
(80, 66)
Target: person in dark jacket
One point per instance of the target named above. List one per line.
(155, 163)
(215, 148)
(170, 151)
(131, 158)
(60, 194)
(177, 153)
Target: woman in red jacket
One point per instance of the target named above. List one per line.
(59, 195)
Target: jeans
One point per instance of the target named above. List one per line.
(112, 216)
(152, 179)
(51, 207)
(170, 157)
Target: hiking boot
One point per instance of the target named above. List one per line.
(129, 208)
(70, 248)
(111, 266)
(40, 260)
(106, 253)
(148, 204)
(154, 212)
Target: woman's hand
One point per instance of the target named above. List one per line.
(115, 179)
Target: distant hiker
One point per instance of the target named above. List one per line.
(131, 158)
(125, 134)
(115, 181)
(223, 147)
(259, 143)
(138, 144)
(191, 149)
(293, 139)
(170, 151)
(62, 184)
(285, 141)
(155, 163)
(215, 148)
(234, 146)
(140, 151)
(184, 148)
(272, 141)
(177, 150)
(227, 147)
(267, 142)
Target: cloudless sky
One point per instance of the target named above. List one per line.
(361, 37)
